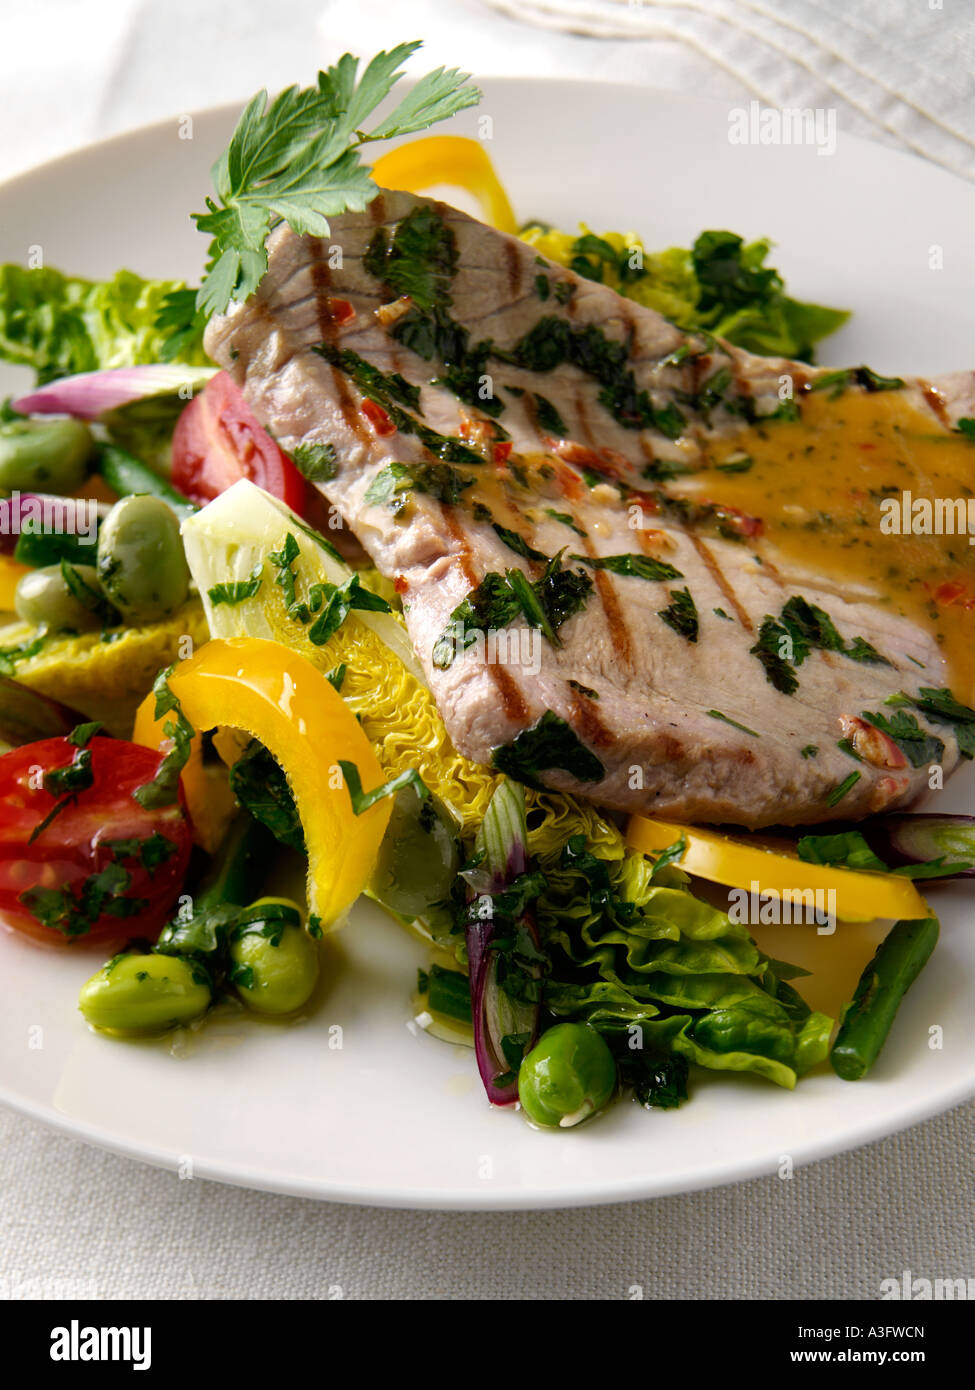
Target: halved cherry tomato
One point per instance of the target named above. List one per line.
(219, 440)
(104, 865)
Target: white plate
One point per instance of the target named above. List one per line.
(396, 1118)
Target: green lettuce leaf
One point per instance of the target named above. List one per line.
(61, 324)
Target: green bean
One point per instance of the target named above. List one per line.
(140, 994)
(126, 474)
(141, 562)
(898, 961)
(275, 961)
(44, 455)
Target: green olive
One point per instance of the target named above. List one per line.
(568, 1075)
(43, 598)
(44, 455)
(418, 858)
(140, 994)
(141, 562)
(275, 961)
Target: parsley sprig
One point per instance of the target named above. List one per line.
(295, 159)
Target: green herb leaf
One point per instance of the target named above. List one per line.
(634, 566)
(549, 744)
(361, 801)
(237, 591)
(681, 614)
(316, 462)
(296, 159)
(163, 790)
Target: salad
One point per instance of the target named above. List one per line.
(205, 681)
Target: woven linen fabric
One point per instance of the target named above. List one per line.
(76, 1222)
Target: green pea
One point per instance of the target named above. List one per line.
(568, 1075)
(418, 858)
(140, 994)
(275, 961)
(141, 562)
(44, 455)
(42, 597)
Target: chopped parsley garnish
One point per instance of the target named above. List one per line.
(741, 465)
(743, 728)
(392, 392)
(809, 750)
(720, 613)
(74, 914)
(917, 745)
(339, 601)
(545, 604)
(420, 261)
(260, 785)
(393, 482)
(518, 544)
(549, 418)
(966, 426)
(82, 734)
(361, 801)
(849, 850)
(633, 566)
(838, 793)
(802, 628)
(336, 676)
(566, 520)
(589, 693)
(542, 287)
(941, 707)
(681, 614)
(317, 462)
(550, 744)
(552, 341)
(92, 599)
(163, 790)
(838, 382)
(151, 851)
(778, 671)
(236, 591)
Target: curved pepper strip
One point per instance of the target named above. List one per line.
(452, 160)
(860, 897)
(277, 696)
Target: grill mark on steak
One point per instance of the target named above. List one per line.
(513, 267)
(619, 633)
(512, 700)
(721, 579)
(588, 722)
(321, 279)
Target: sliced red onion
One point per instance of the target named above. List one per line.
(90, 394)
(911, 840)
(503, 838)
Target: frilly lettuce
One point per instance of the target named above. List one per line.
(630, 953)
(61, 324)
(721, 285)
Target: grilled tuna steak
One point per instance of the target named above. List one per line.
(521, 450)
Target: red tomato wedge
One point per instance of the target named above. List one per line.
(104, 865)
(219, 440)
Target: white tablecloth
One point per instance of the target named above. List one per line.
(75, 1222)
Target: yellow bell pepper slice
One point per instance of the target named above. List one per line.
(10, 572)
(277, 696)
(452, 160)
(860, 897)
